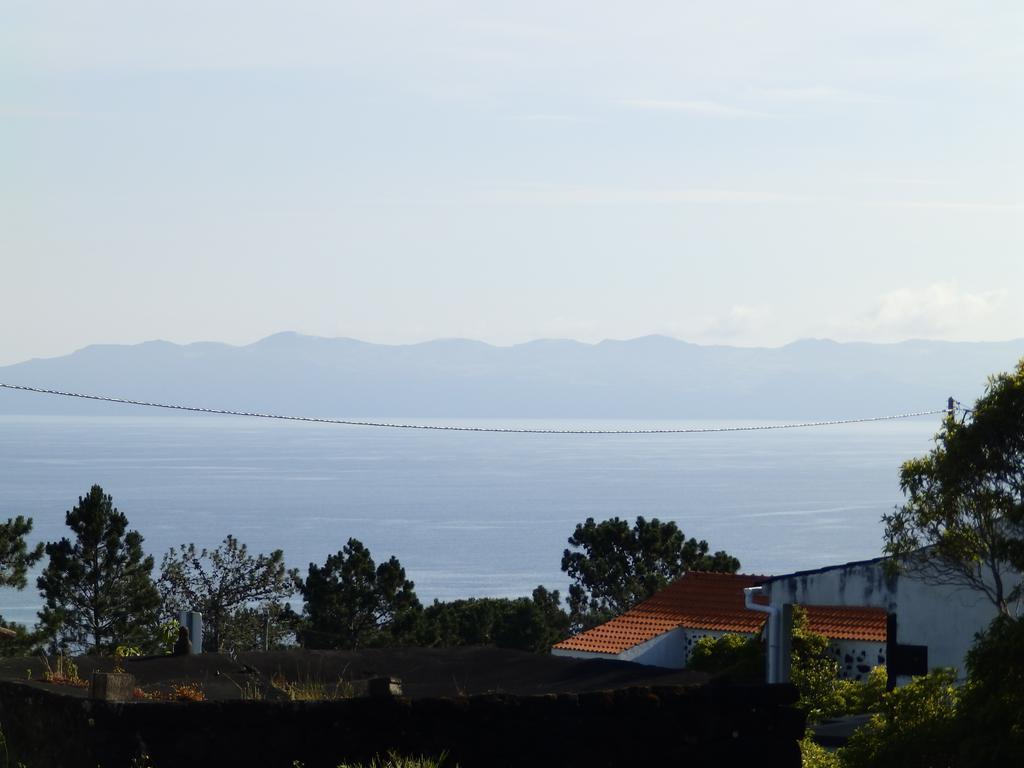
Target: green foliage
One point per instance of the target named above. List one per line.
(730, 654)
(351, 603)
(267, 627)
(15, 556)
(97, 589)
(867, 696)
(167, 636)
(992, 705)
(224, 584)
(963, 523)
(21, 643)
(526, 623)
(813, 755)
(15, 560)
(613, 567)
(535, 623)
(916, 727)
(814, 673)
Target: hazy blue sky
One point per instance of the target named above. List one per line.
(737, 172)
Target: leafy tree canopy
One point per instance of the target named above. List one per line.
(527, 623)
(15, 556)
(992, 703)
(963, 522)
(97, 589)
(225, 584)
(350, 602)
(613, 566)
(916, 727)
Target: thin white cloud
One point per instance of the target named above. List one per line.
(740, 323)
(567, 194)
(546, 118)
(938, 310)
(812, 93)
(970, 205)
(910, 181)
(708, 108)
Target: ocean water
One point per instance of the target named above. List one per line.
(467, 514)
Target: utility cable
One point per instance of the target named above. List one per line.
(454, 428)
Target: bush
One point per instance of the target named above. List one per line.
(992, 704)
(729, 654)
(813, 755)
(916, 727)
(815, 674)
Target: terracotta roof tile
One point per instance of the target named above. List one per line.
(714, 601)
(697, 600)
(841, 622)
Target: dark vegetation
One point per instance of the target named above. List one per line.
(224, 584)
(97, 587)
(101, 593)
(933, 722)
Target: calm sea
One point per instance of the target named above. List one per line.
(468, 514)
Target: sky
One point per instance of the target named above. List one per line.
(743, 173)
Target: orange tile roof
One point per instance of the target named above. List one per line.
(714, 601)
(697, 600)
(843, 622)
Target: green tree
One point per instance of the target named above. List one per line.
(613, 567)
(19, 642)
(267, 627)
(963, 522)
(228, 585)
(527, 623)
(15, 560)
(97, 589)
(814, 673)
(992, 703)
(917, 726)
(734, 655)
(535, 624)
(350, 602)
(15, 556)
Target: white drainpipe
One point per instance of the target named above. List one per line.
(772, 630)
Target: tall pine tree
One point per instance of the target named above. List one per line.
(97, 588)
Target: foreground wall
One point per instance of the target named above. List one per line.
(713, 724)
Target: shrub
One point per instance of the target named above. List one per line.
(813, 755)
(729, 654)
(992, 705)
(916, 727)
(815, 674)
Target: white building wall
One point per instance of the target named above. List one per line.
(666, 650)
(856, 658)
(943, 618)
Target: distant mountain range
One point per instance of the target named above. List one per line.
(653, 377)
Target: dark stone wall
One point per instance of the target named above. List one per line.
(723, 723)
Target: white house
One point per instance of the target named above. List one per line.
(663, 630)
(928, 625)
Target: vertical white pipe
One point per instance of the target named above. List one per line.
(772, 631)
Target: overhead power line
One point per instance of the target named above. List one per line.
(456, 428)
